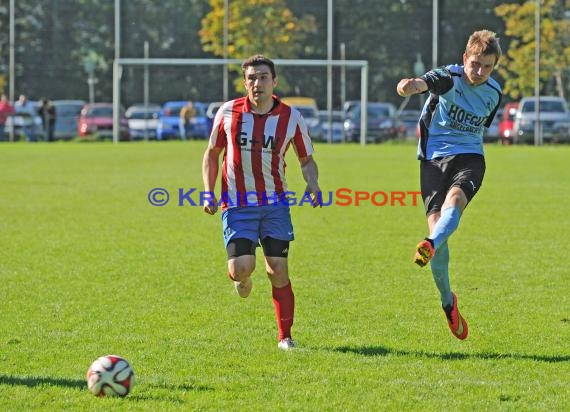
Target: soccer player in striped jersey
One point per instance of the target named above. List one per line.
(254, 133)
(463, 100)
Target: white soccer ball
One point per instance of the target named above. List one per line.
(110, 375)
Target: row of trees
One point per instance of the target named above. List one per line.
(58, 41)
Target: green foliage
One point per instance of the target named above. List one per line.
(89, 267)
(517, 65)
(255, 27)
(26, 18)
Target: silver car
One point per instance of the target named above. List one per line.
(554, 119)
(142, 120)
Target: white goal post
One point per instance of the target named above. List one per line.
(118, 65)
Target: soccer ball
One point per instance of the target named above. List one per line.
(110, 375)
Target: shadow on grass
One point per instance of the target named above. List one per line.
(33, 381)
(384, 351)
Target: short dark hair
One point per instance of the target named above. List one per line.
(258, 60)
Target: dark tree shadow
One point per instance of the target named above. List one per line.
(384, 351)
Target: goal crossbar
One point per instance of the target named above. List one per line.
(118, 65)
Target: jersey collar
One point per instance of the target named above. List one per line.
(276, 109)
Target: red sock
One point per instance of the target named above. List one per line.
(284, 301)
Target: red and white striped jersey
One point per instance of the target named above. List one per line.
(253, 168)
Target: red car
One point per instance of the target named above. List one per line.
(97, 119)
(507, 121)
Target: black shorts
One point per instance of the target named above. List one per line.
(437, 176)
(271, 247)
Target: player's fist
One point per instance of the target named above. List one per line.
(406, 87)
(211, 206)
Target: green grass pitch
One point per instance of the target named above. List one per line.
(88, 267)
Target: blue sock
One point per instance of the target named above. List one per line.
(439, 269)
(445, 226)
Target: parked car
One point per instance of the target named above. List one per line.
(142, 120)
(337, 122)
(168, 126)
(383, 124)
(507, 122)
(96, 119)
(554, 119)
(66, 118)
(409, 120)
(491, 133)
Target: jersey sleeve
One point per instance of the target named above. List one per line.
(218, 133)
(439, 80)
(301, 140)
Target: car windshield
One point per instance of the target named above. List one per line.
(545, 106)
(336, 117)
(100, 112)
(374, 112)
(173, 111)
(142, 115)
(378, 112)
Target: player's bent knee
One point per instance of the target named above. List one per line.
(241, 267)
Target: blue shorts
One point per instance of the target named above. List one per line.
(257, 222)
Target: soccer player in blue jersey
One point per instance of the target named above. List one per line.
(463, 100)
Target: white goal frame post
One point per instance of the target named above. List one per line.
(118, 65)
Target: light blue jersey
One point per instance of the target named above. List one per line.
(453, 122)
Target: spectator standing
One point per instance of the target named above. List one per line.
(186, 114)
(48, 115)
(6, 109)
(27, 112)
